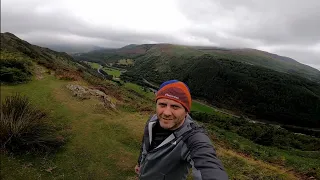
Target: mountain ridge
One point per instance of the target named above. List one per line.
(245, 55)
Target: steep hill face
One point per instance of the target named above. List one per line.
(253, 90)
(267, 60)
(18, 58)
(51, 59)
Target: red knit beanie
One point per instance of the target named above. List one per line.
(176, 91)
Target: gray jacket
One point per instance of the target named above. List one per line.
(186, 147)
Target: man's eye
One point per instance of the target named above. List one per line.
(175, 107)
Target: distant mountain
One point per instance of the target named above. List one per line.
(267, 60)
(248, 56)
(247, 81)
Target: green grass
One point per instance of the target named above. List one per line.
(140, 90)
(114, 72)
(305, 162)
(96, 138)
(242, 168)
(196, 106)
(200, 107)
(94, 65)
(101, 144)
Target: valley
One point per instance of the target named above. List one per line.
(99, 116)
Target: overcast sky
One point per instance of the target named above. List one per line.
(287, 27)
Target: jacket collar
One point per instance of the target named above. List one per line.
(185, 127)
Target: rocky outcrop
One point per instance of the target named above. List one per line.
(83, 93)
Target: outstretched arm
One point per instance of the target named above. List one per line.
(141, 149)
(203, 158)
(144, 138)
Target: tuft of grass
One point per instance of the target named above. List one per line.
(23, 127)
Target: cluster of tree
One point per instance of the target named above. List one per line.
(263, 134)
(252, 90)
(122, 66)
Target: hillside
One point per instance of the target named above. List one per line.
(249, 82)
(248, 56)
(267, 60)
(11, 43)
(101, 125)
(102, 143)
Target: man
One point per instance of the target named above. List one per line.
(173, 142)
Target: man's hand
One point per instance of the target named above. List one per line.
(137, 169)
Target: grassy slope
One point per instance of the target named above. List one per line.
(102, 144)
(200, 107)
(302, 161)
(97, 137)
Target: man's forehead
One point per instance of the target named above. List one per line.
(168, 101)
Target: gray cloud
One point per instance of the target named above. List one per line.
(248, 23)
(289, 27)
(275, 22)
(52, 27)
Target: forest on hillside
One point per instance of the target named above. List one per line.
(254, 91)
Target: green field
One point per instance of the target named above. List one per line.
(196, 106)
(114, 72)
(94, 65)
(138, 89)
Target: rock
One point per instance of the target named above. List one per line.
(83, 93)
(79, 91)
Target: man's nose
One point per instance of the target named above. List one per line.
(167, 111)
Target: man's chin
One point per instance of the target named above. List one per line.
(165, 126)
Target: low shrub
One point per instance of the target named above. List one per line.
(25, 128)
(14, 71)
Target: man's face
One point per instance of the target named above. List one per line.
(171, 114)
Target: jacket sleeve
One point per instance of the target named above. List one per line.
(141, 149)
(203, 158)
(145, 135)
